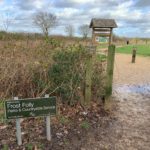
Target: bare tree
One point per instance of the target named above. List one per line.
(69, 29)
(45, 21)
(6, 20)
(84, 30)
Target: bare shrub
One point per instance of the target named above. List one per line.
(84, 30)
(45, 21)
(43, 67)
(69, 29)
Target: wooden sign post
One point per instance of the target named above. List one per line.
(91, 50)
(24, 108)
(110, 68)
(102, 28)
(18, 128)
(48, 123)
(133, 55)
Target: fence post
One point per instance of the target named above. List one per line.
(110, 68)
(133, 55)
(18, 129)
(88, 76)
(48, 124)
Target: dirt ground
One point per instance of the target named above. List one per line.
(131, 93)
(127, 127)
(129, 73)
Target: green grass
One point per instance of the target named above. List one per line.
(101, 46)
(101, 57)
(1, 104)
(141, 49)
(85, 125)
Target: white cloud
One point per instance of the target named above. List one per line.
(67, 13)
(123, 13)
(38, 3)
(128, 15)
(148, 30)
(82, 1)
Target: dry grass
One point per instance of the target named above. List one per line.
(19, 60)
(24, 65)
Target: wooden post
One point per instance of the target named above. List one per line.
(88, 77)
(48, 124)
(18, 129)
(93, 37)
(146, 41)
(110, 36)
(110, 68)
(133, 55)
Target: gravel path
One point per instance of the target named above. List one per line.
(130, 130)
(132, 93)
(126, 72)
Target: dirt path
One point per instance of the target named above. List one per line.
(127, 73)
(132, 91)
(131, 128)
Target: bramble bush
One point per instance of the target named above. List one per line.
(68, 74)
(46, 67)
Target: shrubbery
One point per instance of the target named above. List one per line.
(68, 74)
(47, 67)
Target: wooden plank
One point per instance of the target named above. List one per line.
(88, 77)
(133, 55)
(105, 35)
(110, 68)
(88, 80)
(110, 37)
(108, 28)
(103, 30)
(93, 37)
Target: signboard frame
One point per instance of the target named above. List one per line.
(23, 106)
(47, 115)
(102, 38)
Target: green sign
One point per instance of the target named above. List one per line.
(103, 39)
(30, 107)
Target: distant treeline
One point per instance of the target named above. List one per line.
(31, 36)
(117, 38)
(35, 36)
(19, 36)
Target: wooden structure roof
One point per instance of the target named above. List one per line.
(103, 23)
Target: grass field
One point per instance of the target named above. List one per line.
(141, 49)
(101, 46)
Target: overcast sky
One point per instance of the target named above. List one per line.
(132, 16)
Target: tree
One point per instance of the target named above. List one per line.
(69, 29)
(6, 21)
(84, 30)
(45, 21)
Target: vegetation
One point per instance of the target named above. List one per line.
(84, 30)
(85, 125)
(31, 68)
(45, 21)
(69, 29)
(2, 116)
(141, 49)
(102, 46)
